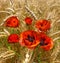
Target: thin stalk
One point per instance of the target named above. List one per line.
(11, 3)
(6, 32)
(56, 38)
(31, 12)
(55, 33)
(28, 56)
(5, 12)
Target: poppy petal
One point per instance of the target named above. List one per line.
(29, 41)
(13, 38)
(12, 22)
(28, 20)
(46, 42)
(43, 25)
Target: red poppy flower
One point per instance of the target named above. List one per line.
(45, 42)
(13, 38)
(29, 39)
(28, 20)
(12, 22)
(43, 25)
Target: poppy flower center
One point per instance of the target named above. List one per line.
(31, 39)
(41, 24)
(42, 43)
(14, 21)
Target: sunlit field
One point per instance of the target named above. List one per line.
(17, 50)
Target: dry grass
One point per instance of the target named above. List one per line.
(36, 9)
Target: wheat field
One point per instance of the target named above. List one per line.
(36, 9)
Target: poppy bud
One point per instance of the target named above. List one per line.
(13, 38)
(28, 20)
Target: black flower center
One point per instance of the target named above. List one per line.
(42, 42)
(31, 39)
(14, 21)
(41, 24)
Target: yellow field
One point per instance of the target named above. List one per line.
(36, 9)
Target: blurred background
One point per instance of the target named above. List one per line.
(36, 9)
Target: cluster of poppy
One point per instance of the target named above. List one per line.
(30, 38)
